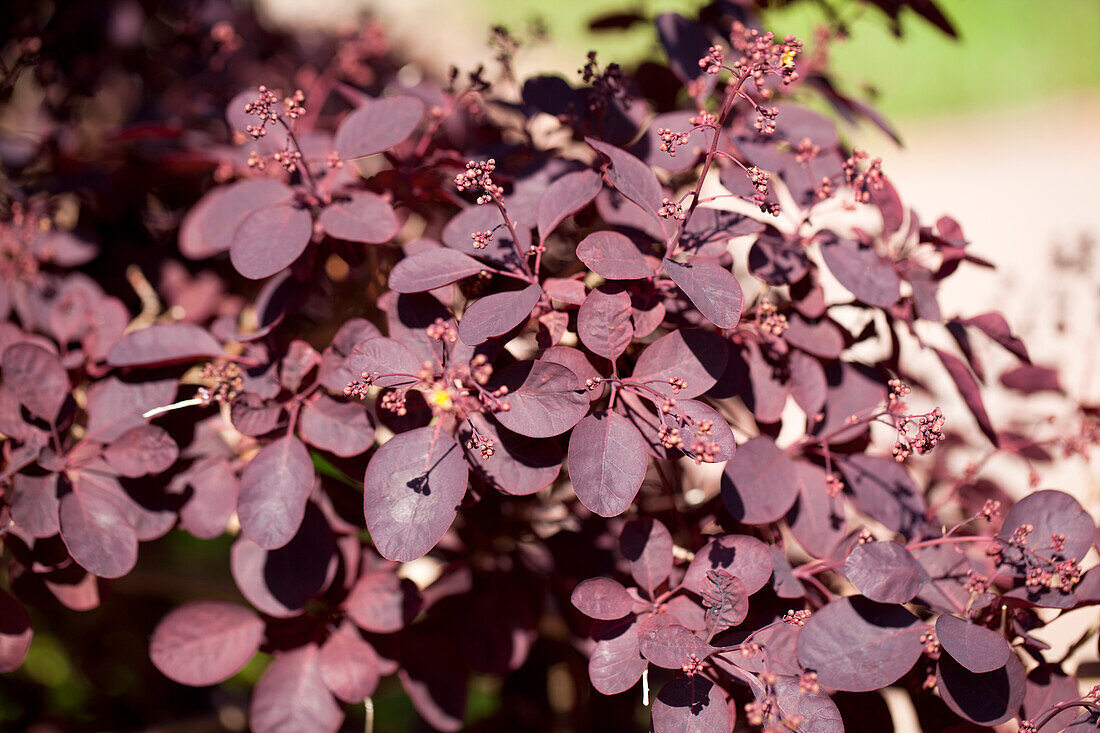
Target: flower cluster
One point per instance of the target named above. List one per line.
(670, 139)
(863, 174)
(712, 62)
(671, 210)
(761, 55)
(226, 382)
(918, 434)
(478, 176)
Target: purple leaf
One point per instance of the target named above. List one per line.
(613, 256)
(164, 343)
(387, 360)
(970, 391)
(34, 504)
(520, 465)
(865, 273)
(282, 581)
(382, 603)
(435, 679)
(630, 176)
(546, 399)
(142, 451)
(349, 665)
(254, 416)
(411, 492)
(648, 148)
(768, 388)
(746, 557)
(300, 359)
(342, 428)
(292, 696)
(726, 601)
(885, 572)
(670, 645)
(333, 371)
(975, 647)
(97, 531)
(808, 385)
(647, 544)
(497, 314)
(603, 321)
(996, 327)
(853, 390)
(823, 338)
(691, 704)
(377, 125)
(215, 487)
(270, 239)
(1046, 686)
(15, 633)
(696, 356)
(115, 407)
(987, 699)
(685, 41)
(500, 249)
(858, 645)
(209, 226)
(759, 484)
(432, 268)
(882, 488)
(364, 217)
(1029, 379)
(567, 195)
(274, 489)
(36, 378)
(1049, 513)
(602, 598)
(718, 437)
(817, 520)
(816, 710)
(205, 642)
(712, 289)
(616, 665)
(778, 260)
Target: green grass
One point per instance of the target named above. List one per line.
(1009, 52)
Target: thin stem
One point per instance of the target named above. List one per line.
(304, 167)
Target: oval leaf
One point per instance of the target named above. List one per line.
(270, 239)
(205, 642)
(668, 644)
(142, 451)
(497, 314)
(209, 226)
(292, 696)
(602, 598)
(885, 572)
(613, 256)
(567, 195)
(36, 378)
(364, 217)
(342, 428)
(691, 704)
(411, 492)
(745, 557)
(975, 647)
(603, 321)
(275, 486)
(698, 357)
(97, 531)
(759, 484)
(711, 288)
(548, 400)
(164, 343)
(607, 462)
(647, 544)
(377, 125)
(432, 268)
(987, 699)
(865, 273)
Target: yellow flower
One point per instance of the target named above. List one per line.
(440, 398)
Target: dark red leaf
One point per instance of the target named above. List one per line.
(500, 250)
(34, 504)
(987, 699)
(97, 531)
(882, 488)
(349, 665)
(691, 704)
(546, 399)
(382, 603)
(15, 633)
(292, 696)
(816, 710)
(1029, 379)
(885, 572)
(746, 557)
(520, 466)
(205, 642)
(823, 338)
(975, 647)
(282, 581)
(567, 195)
(603, 321)
(142, 451)
(209, 226)
(411, 492)
(711, 288)
(342, 428)
(970, 390)
(1049, 513)
(647, 544)
(36, 378)
(616, 665)
(853, 390)
(497, 314)
(115, 407)
(274, 488)
(431, 269)
(435, 679)
(726, 601)
(377, 125)
(364, 217)
(164, 343)
(698, 357)
(602, 598)
(759, 484)
(613, 256)
(858, 645)
(996, 327)
(816, 520)
(215, 487)
(270, 239)
(778, 260)
(387, 360)
(865, 273)
(668, 644)
(1046, 686)
(630, 176)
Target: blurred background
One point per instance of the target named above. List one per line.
(998, 127)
